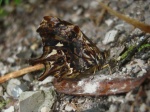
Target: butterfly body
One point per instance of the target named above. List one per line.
(67, 52)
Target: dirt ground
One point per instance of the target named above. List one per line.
(19, 42)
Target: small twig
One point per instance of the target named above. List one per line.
(100, 17)
(144, 27)
(21, 72)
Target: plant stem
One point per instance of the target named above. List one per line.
(142, 26)
(21, 72)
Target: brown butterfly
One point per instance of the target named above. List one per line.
(67, 52)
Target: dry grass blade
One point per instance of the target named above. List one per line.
(144, 27)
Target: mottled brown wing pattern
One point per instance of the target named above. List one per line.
(67, 52)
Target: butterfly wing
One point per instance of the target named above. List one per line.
(67, 52)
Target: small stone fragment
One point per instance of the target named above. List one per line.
(122, 38)
(36, 101)
(32, 1)
(116, 99)
(136, 69)
(18, 90)
(3, 69)
(148, 95)
(10, 109)
(34, 46)
(124, 69)
(143, 107)
(47, 80)
(45, 109)
(49, 99)
(10, 60)
(11, 85)
(28, 77)
(113, 108)
(130, 97)
(30, 101)
(120, 27)
(116, 51)
(141, 73)
(109, 22)
(69, 108)
(1, 91)
(81, 100)
(110, 36)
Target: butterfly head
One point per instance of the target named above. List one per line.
(56, 29)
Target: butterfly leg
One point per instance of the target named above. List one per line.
(46, 72)
(42, 58)
(107, 66)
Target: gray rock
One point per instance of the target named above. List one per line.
(143, 107)
(148, 94)
(30, 101)
(81, 100)
(11, 85)
(109, 22)
(146, 55)
(1, 91)
(3, 68)
(45, 109)
(94, 4)
(136, 69)
(116, 51)
(129, 97)
(69, 108)
(47, 80)
(18, 90)
(122, 38)
(50, 97)
(32, 1)
(120, 27)
(124, 69)
(110, 36)
(10, 59)
(28, 77)
(136, 31)
(116, 99)
(36, 101)
(10, 109)
(134, 63)
(113, 108)
(141, 73)
(34, 46)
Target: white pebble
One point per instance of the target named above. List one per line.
(45, 109)
(10, 109)
(69, 108)
(11, 85)
(109, 22)
(143, 108)
(47, 80)
(110, 37)
(28, 77)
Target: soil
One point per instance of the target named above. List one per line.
(19, 42)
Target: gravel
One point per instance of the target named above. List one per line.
(19, 42)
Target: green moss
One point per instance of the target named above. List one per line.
(143, 46)
(124, 55)
(2, 104)
(3, 3)
(0, 2)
